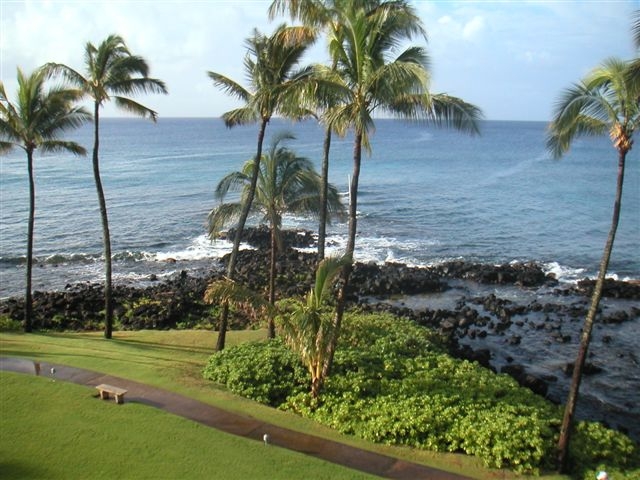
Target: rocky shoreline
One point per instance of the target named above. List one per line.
(470, 319)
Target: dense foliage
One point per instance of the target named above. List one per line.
(392, 384)
(263, 371)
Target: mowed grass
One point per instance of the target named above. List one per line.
(57, 430)
(174, 360)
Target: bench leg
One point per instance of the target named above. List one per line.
(119, 398)
(104, 395)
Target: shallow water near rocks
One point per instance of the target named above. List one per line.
(544, 342)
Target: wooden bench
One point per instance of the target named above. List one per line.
(117, 392)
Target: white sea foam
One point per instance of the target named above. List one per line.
(200, 248)
(378, 250)
(563, 273)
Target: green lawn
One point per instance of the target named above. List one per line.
(57, 430)
(173, 361)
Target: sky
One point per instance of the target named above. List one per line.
(512, 59)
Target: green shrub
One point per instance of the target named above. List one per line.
(266, 372)
(391, 383)
(517, 437)
(594, 447)
(8, 324)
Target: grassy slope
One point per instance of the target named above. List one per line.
(174, 360)
(58, 430)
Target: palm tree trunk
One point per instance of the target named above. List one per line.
(316, 380)
(322, 227)
(106, 237)
(585, 338)
(28, 300)
(351, 244)
(222, 327)
(272, 281)
(231, 268)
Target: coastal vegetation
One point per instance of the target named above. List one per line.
(307, 328)
(605, 102)
(111, 72)
(369, 74)
(393, 383)
(286, 184)
(271, 65)
(36, 120)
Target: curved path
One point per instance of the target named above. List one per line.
(352, 457)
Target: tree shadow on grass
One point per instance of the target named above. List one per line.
(13, 469)
(146, 344)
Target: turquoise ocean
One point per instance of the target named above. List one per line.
(427, 195)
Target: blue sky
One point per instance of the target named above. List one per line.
(510, 58)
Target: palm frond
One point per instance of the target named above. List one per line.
(229, 86)
(135, 108)
(124, 65)
(635, 28)
(133, 86)
(228, 291)
(233, 181)
(221, 216)
(326, 273)
(63, 146)
(240, 116)
(6, 146)
(455, 113)
(580, 111)
(70, 75)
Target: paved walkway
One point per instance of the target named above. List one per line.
(248, 427)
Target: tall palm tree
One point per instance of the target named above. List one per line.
(111, 72)
(323, 14)
(271, 66)
(307, 325)
(286, 183)
(35, 121)
(314, 14)
(370, 77)
(603, 102)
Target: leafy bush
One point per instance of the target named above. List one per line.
(8, 324)
(594, 447)
(266, 372)
(393, 384)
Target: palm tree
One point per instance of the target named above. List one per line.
(318, 14)
(36, 121)
(307, 325)
(286, 183)
(604, 102)
(270, 65)
(369, 78)
(313, 14)
(111, 71)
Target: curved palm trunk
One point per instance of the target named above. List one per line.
(351, 244)
(272, 280)
(585, 338)
(322, 227)
(231, 268)
(28, 300)
(106, 237)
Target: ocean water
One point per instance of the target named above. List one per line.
(426, 195)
